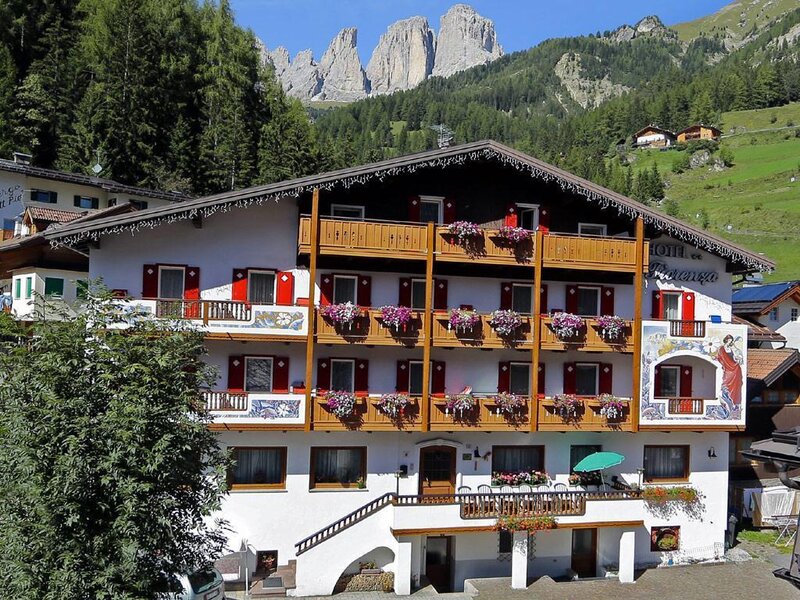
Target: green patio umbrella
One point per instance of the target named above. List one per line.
(598, 462)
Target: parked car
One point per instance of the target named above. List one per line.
(203, 584)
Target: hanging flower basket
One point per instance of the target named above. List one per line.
(394, 405)
(341, 404)
(508, 403)
(465, 231)
(462, 319)
(341, 314)
(396, 317)
(507, 523)
(519, 478)
(611, 407)
(513, 235)
(505, 322)
(458, 404)
(567, 406)
(611, 327)
(566, 325)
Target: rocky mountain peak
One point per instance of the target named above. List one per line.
(343, 76)
(648, 26)
(465, 39)
(403, 57)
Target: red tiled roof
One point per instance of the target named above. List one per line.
(768, 365)
(52, 215)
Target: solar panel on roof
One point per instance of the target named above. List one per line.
(762, 293)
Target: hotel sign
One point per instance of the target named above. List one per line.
(664, 272)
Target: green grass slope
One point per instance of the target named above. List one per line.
(735, 21)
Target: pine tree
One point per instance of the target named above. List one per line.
(702, 108)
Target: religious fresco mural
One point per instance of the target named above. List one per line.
(723, 346)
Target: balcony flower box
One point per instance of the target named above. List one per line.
(509, 523)
(394, 405)
(505, 322)
(567, 406)
(464, 231)
(584, 479)
(659, 494)
(341, 404)
(513, 235)
(566, 326)
(459, 404)
(462, 319)
(611, 407)
(342, 314)
(396, 317)
(508, 403)
(515, 479)
(612, 327)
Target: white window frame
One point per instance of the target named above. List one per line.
(354, 278)
(274, 282)
(357, 207)
(424, 284)
(677, 380)
(271, 359)
(524, 206)
(352, 363)
(421, 363)
(596, 377)
(521, 285)
(679, 295)
(599, 291)
(601, 226)
(172, 268)
(774, 314)
(433, 199)
(528, 366)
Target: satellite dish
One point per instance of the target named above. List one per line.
(96, 169)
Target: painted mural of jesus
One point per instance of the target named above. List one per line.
(730, 358)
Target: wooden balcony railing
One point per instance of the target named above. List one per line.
(685, 406)
(225, 401)
(484, 417)
(590, 338)
(687, 329)
(341, 237)
(205, 310)
(482, 335)
(591, 252)
(369, 329)
(367, 417)
(488, 249)
(588, 417)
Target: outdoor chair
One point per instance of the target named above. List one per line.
(560, 487)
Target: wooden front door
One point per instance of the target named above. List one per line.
(437, 470)
(438, 561)
(584, 552)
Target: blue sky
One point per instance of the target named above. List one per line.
(520, 24)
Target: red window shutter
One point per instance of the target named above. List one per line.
(571, 302)
(656, 311)
(403, 376)
(284, 288)
(511, 219)
(506, 295)
(607, 301)
(544, 219)
(540, 383)
(323, 375)
(449, 210)
(364, 294)
(404, 294)
(361, 383)
(150, 281)
(570, 379)
(543, 300)
(191, 291)
(280, 376)
(414, 209)
(439, 294)
(504, 376)
(657, 392)
(236, 373)
(239, 285)
(606, 378)
(686, 382)
(687, 306)
(437, 377)
(325, 289)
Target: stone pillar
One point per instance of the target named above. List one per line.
(627, 552)
(519, 561)
(402, 573)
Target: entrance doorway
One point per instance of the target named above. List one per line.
(437, 471)
(584, 552)
(438, 562)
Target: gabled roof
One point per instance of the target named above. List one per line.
(654, 128)
(757, 332)
(760, 299)
(744, 260)
(767, 365)
(698, 125)
(51, 215)
(79, 178)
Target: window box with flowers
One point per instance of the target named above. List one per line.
(509, 404)
(505, 322)
(465, 231)
(462, 319)
(460, 405)
(584, 479)
(341, 404)
(518, 478)
(566, 326)
(397, 318)
(395, 406)
(567, 406)
(611, 407)
(342, 315)
(509, 523)
(660, 494)
(513, 235)
(612, 328)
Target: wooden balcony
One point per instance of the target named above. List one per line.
(482, 335)
(205, 310)
(590, 338)
(685, 406)
(222, 401)
(695, 329)
(386, 239)
(369, 330)
(594, 253)
(367, 417)
(484, 417)
(587, 419)
(488, 249)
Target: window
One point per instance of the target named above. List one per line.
(28, 287)
(415, 377)
(586, 379)
(670, 382)
(261, 287)
(522, 298)
(671, 303)
(418, 294)
(519, 379)
(342, 375)
(345, 211)
(44, 196)
(18, 288)
(588, 301)
(666, 462)
(53, 287)
(505, 542)
(793, 314)
(257, 374)
(81, 289)
(255, 468)
(138, 204)
(170, 282)
(430, 210)
(579, 452)
(773, 314)
(591, 229)
(338, 467)
(344, 289)
(87, 202)
(517, 458)
(528, 216)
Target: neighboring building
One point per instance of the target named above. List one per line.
(653, 137)
(698, 132)
(772, 305)
(316, 494)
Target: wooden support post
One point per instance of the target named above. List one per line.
(427, 331)
(536, 328)
(638, 293)
(312, 277)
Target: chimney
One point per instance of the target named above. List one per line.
(21, 158)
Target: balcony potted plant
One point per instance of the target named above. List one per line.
(459, 404)
(611, 327)
(396, 317)
(505, 322)
(588, 479)
(394, 405)
(611, 407)
(566, 325)
(465, 231)
(567, 406)
(508, 403)
(513, 235)
(341, 404)
(512, 523)
(342, 315)
(463, 319)
(519, 478)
